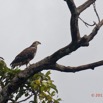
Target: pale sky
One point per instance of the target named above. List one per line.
(25, 21)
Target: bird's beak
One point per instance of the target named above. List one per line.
(39, 43)
(2, 58)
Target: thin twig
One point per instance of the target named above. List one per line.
(87, 24)
(94, 6)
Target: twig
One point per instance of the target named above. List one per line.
(94, 6)
(87, 24)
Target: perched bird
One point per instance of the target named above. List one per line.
(24, 57)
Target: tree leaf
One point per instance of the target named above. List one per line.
(48, 73)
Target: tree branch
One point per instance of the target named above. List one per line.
(84, 6)
(94, 6)
(87, 24)
(95, 30)
(74, 20)
(63, 68)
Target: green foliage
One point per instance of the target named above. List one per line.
(40, 86)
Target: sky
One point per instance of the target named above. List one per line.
(48, 21)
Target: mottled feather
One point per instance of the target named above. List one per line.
(25, 56)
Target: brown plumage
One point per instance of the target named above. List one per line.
(25, 56)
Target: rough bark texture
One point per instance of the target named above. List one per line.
(50, 61)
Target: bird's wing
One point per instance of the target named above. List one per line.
(27, 53)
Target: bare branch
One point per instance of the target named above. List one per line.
(84, 6)
(87, 24)
(68, 49)
(72, 6)
(95, 30)
(74, 21)
(63, 68)
(94, 6)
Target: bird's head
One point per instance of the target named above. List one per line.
(1, 58)
(35, 43)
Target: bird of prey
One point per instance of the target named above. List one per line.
(24, 57)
